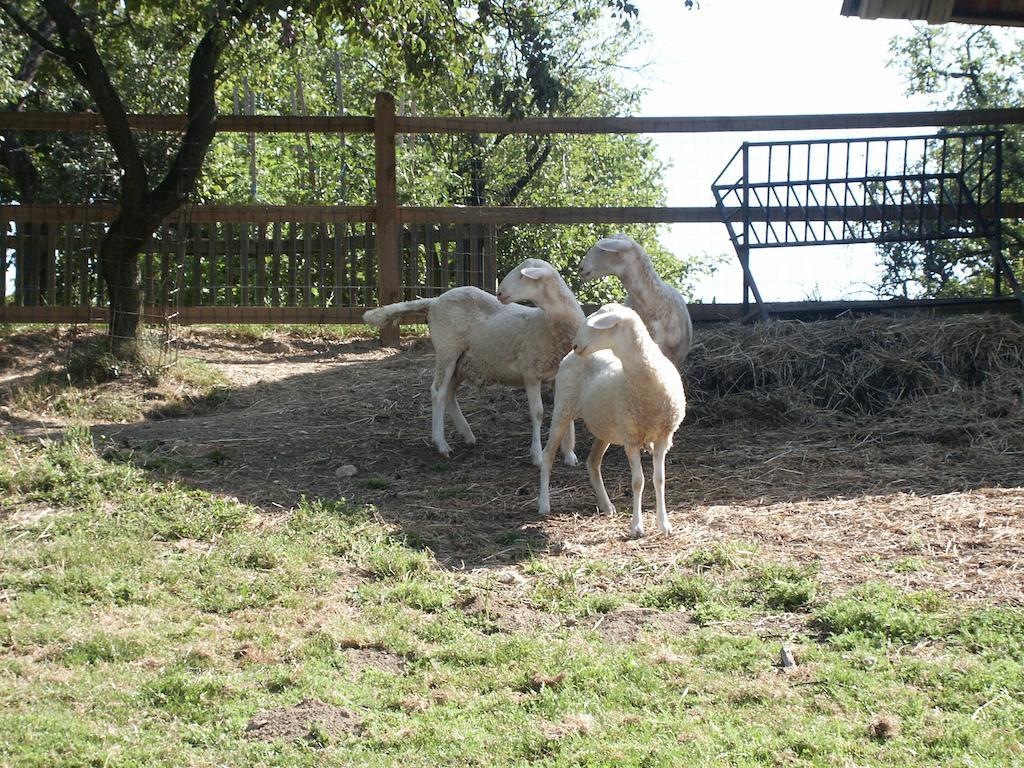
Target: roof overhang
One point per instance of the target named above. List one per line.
(994, 12)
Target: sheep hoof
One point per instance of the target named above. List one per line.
(470, 441)
(544, 509)
(609, 510)
(637, 532)
(666, 529)
(445, 450)
(570, 459)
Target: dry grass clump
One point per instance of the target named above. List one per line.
(857, 366)
(884, 726)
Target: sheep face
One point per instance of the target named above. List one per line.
(608, 256)
(526, 282)
(606, 329)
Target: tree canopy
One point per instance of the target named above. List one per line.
(499, 58)
(961, 67)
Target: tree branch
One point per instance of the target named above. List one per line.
(200, 130)
(13, 155)
(43, 41)
(87, 66)
(33, 60)
(537, 161)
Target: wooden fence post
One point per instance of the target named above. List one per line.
(389, 273)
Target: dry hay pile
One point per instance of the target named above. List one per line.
(967, 367)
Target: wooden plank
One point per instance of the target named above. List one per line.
(230, 252)
(89, 121)
(338, 264)
(710, 124)
(3, 261)
(100, 212)
(200, 214)
(321, 264)
(433, 277)
(32, 255)
(83, 121)
(475, 257)
(293, 267)
(67, 267)
(261, 264)
(490, 256)
(84, 249)
(353, 296)
(307, 264)
(461, 254)
(244, 259)
(275, 267)
(213, 268)
(447, 255)
(51, 263)
(370, 263)
(413, 275)
(389, 274)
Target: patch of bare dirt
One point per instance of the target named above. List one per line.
(627, 624)
(310, 720)
(497, 613)
(368, 657)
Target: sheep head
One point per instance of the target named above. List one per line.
(609, 256)
(613, 327)
(527, 282)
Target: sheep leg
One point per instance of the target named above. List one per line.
(569, 445)
(594, 468)
(439, 389)
(536, 418)
(558, 428)
(658, 458)
(636, 528)
(455, 413)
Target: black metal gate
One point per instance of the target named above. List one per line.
(866, 190)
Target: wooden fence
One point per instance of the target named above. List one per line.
(328, 263)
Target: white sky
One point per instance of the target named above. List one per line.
(755, 57)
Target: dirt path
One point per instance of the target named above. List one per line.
(914, 503)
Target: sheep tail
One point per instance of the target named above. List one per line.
(381, 316)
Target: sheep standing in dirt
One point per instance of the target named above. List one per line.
(661, 306)
(490, 339)
(627, 392)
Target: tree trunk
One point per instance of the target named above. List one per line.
(119, 264)
(142, 207)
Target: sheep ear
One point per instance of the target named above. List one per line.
(612, 244)
(534, 273)
(603, 320)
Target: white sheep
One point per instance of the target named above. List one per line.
(628, 393)
(661, 306)
(489, 339)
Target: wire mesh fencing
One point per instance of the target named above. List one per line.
(312, 219)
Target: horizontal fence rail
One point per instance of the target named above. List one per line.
(58, 121)
(328, 263)
(236, 214)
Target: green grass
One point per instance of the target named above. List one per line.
(88, 388)
(143, 623)
(256, 332)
